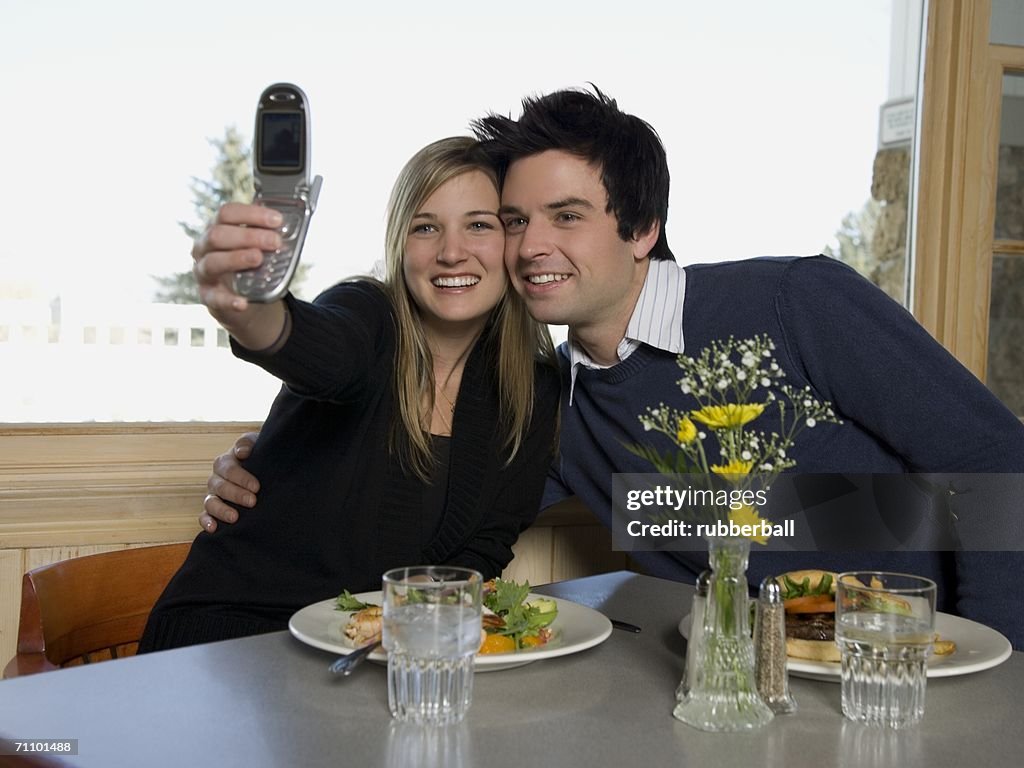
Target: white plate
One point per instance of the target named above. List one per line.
(576, 628)
(977, 647)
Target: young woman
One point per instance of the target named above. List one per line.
(415, 425)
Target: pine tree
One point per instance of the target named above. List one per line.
(232, 182)
(852, 244)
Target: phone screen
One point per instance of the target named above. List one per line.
(281, 140)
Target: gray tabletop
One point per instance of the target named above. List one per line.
(269, 701)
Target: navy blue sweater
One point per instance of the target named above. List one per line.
(907, 406)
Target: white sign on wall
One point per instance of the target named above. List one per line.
(896, 122)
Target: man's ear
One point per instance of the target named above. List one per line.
(643, 242)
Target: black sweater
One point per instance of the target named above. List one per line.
(335, 508)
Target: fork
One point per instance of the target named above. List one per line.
(345, 664)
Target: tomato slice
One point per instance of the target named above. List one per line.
(811, 604)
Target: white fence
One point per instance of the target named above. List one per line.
(123, 362)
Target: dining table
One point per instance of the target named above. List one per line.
(269, 700)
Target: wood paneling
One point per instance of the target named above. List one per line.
(579, 550)
(532, 561)
(84, 484)
(11, 569)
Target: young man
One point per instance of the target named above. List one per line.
(585, 203)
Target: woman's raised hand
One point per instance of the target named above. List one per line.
(232, 243)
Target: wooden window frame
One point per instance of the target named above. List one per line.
(960, 128)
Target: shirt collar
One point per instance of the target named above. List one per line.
(657, 319)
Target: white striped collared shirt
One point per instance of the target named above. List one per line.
(657, 319)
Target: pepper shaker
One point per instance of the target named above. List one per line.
(770, 649)
(695, 639)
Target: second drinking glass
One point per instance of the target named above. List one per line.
(885, 626)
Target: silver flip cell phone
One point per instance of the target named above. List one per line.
(281, 178)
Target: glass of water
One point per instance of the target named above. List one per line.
(885, 626)
(431, 632)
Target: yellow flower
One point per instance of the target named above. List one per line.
(728, 416)
(747, 515)
(734, 470)
(687, 431)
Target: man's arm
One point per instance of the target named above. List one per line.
(230, 482)
(882, 369)
(879, 367)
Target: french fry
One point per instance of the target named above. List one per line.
(942, 647)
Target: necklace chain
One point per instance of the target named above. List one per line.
(447, 423)
(451, 405)
(446, 419)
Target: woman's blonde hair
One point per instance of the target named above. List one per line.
(519, 339)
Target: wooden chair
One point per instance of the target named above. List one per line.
(90, 608)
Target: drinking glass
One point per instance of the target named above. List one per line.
(885, 626)
(431, 632)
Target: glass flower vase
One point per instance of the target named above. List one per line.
(723, 696)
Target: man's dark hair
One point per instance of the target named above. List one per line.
(632, 160)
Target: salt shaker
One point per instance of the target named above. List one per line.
(770, 649)
(696, 637)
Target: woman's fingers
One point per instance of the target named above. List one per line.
(231, 237)
(235, 241)
(249, 215)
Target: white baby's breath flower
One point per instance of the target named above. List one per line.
(811, 423)
(741, 375)
(766, 382)
(748, 360)
(746, 455)
(723, 384)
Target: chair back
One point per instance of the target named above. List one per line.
(90, 608)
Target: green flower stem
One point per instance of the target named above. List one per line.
(724, 696)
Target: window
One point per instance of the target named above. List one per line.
(770, 113)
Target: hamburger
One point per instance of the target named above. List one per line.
(809, 597)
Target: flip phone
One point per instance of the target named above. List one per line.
(281, 154)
